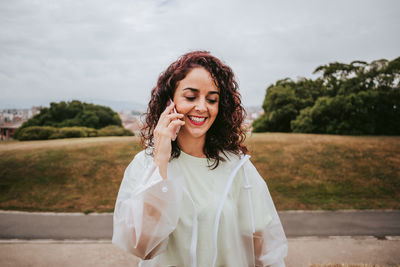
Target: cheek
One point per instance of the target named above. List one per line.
(214, 111)
(182, 107)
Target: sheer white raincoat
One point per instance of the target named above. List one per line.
(197, 216)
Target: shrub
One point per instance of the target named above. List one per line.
(36, 133)
(113, 130)
(48, 132)
(72, 132)
(260, 124)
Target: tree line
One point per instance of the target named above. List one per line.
(356, 98)
(71, 119)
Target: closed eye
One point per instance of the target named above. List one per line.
(190, 98)
(212, 101)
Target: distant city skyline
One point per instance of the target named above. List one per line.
(111, 53)
(115, 105)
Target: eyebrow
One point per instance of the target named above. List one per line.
(197, 90)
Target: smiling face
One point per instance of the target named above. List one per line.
(197, 98)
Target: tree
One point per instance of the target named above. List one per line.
(355, 98)
(283, 102)
(74, 113)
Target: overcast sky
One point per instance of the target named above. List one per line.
(111, 52)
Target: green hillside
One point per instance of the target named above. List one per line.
(303, 171)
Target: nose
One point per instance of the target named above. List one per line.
(201, 105)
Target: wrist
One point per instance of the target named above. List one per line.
(160, 160)
(162, 163)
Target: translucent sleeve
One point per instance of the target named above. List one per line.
(270, 244)
(147, 208)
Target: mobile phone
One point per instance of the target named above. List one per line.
(177, 130)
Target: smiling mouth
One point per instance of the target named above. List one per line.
(197, 120)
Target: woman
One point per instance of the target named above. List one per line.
(193, 198)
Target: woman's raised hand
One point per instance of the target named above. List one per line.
(164, 133)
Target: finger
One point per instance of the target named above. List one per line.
(167, 131)
(175, 127)
(165, 120)
(175, 124)
(167, 110)
(174, 116)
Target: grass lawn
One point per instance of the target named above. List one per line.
(303, 171)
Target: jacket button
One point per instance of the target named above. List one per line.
(164, 189)
(247, 186)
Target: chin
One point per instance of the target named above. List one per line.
(198, 135)
(195, 134)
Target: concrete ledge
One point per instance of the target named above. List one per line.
(108, 241)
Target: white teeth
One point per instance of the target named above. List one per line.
(196, 119)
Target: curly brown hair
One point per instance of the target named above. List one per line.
(226, 133)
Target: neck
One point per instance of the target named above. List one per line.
(192, 146)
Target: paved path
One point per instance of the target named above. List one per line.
(302, 253)
(35, 225)
(27, 225)
(341, 223)
(75, 239)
